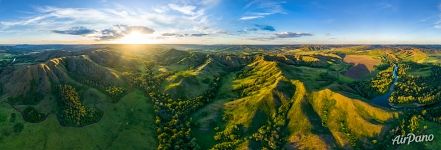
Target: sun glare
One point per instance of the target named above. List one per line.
(135, 38)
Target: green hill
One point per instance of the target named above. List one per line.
(150, 97)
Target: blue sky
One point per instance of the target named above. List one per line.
(220, 21)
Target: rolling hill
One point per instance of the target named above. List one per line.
(294, 97)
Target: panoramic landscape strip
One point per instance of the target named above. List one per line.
(219, 97)
(220, 74)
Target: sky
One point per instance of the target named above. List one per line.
(220, 22)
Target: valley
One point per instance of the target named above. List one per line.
(218, 96)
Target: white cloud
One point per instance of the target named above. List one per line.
(250, 17)
(184, 9)
(189, 18)
(437, 24)
(119, 31)
(292, 34)
(385, 5)
(281, 35)
(210, 2)
(257, 9)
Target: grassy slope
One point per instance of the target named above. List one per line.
(183, 83)
(122, 125)
(129, 121)
(262, 102)
(304, 125)
(5, 56)
(434, 58)
(304, 116)
(363, 120)
(308, 75)
(211, 114)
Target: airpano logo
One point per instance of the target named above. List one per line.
(410, 138)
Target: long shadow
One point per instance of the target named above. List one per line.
(357, 71)
(342, 55)
(385, 138)
(316, 123)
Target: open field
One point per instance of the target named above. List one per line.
(363, 65)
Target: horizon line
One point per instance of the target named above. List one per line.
(364, 44)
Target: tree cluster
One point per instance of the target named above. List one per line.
(115, 92)
(416, 89)
(353, 140)
(229, 138)
(272, 135)
(72, 112)
(172, 114)
(30, 114)
(383, 80)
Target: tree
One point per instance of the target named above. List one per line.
(73, 112)
(30, 114)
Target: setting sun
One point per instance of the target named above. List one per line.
(135, 38)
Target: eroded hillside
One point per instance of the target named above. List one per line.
(301, 98)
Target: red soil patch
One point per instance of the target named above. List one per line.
(363, 65)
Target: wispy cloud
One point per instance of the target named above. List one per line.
(291, 34)
(257, 9)
(250, 17)
(116, 32)
(199, 34)
(184, 35)
(50, 18)
(437, 24)
(210, 3)
(173, 35)
(185, 16)
(330, 36)
(119, 31)
(282, 35)
(184, 9)
(385, 5)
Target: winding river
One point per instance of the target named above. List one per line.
(383, 100)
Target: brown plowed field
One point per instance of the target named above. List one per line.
(362, 65)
